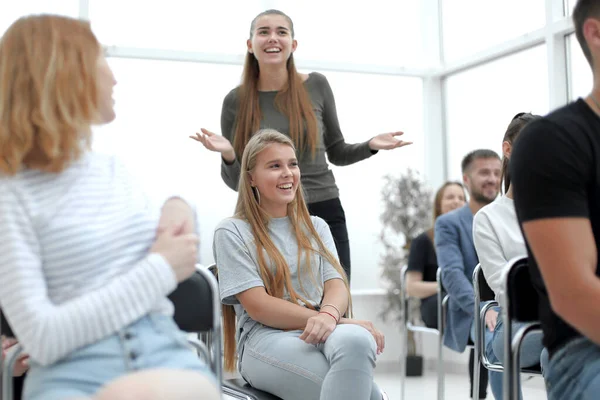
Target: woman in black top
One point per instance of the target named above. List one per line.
(422, 268)
(422, 260)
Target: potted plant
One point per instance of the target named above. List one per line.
(406, 214)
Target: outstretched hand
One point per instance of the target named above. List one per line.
(387, 141)
(213, 142)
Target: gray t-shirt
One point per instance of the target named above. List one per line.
(317, 178)
(237, 262)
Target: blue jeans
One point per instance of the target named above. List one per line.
(573, 372)
(495, 377)
(531, 348)
(154, 341)
(280, 363)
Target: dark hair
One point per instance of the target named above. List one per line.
(584, 10)
(437, 202)
(515, 127)
(476, 155)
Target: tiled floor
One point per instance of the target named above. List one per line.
(425, 387)
(456, 387)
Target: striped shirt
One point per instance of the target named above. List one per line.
(74, 256)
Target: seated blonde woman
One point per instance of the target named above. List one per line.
(86, 264)
(279, 267)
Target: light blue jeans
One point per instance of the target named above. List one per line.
(278, 362)
(531, 349)
(154, 341)
(573, 372)
(495, 377)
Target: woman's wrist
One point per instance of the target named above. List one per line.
(228, 156)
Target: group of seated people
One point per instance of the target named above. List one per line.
(482, 230)
(549, 213)
(87, 263)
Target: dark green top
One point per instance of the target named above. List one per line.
(317, 178)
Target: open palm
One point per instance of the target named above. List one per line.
(387, 141)
(212, 141)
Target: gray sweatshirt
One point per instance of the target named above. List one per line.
(235, 253)
(317, 179)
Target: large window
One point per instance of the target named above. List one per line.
(470, 26)
(368, 105)
(482, 101)
(378, 32)
(580, 72)
(10, 11)
(160, 103)
(204, 26)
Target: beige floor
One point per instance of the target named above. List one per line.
(425, 387)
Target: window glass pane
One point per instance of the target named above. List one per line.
(10, 11)
(569, 6)
(205, 26)
(381, 32)
(160, 103)
(481, 102)
(368, 105)
(470, 26)
(580, 73)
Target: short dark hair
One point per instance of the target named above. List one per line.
(584, 10)
(476, 155)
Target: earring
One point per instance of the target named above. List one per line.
(250, 51)
(256, 194)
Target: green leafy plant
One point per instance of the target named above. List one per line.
(406, 214)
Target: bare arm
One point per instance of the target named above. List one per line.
(566, 254)
(272, 311)
(416, 287)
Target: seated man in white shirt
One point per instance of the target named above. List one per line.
(498, 238)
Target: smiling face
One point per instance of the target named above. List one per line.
(271, 40)
(276, 176)
(453, 197)
(483, 179)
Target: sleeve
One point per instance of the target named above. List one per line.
(417, 254)
(489, 251)
(237, 269)
(49, 331)
(451, 261)
(550, 172)
(230, 173)
(338, 151)
(329, 272)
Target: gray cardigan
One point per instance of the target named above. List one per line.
(317, 179)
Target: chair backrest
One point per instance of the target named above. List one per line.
(197, 302)
(521, 297)
(5, 328)
(479, 282)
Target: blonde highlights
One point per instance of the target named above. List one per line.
(273, 267)
(48, 92)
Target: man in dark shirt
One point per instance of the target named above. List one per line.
(555, 167)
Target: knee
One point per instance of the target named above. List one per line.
(353, 339)
(159, 384)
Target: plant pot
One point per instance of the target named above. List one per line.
(414, 365)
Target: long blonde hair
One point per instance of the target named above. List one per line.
(48, 92)
(277, 280)
(293, 101)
